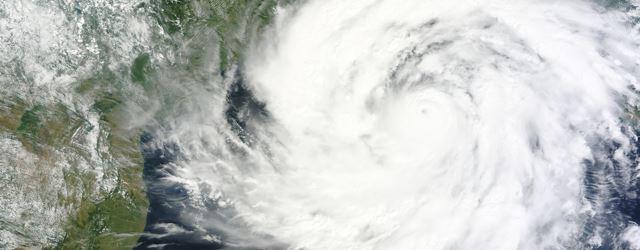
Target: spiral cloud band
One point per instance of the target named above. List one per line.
(382, 124)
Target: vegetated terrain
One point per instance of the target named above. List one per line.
(78, 92)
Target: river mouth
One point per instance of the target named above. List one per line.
(320, 124)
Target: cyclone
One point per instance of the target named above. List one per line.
(425, 125)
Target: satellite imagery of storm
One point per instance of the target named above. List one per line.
(320, 124)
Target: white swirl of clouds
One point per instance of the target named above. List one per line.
(426, 125)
